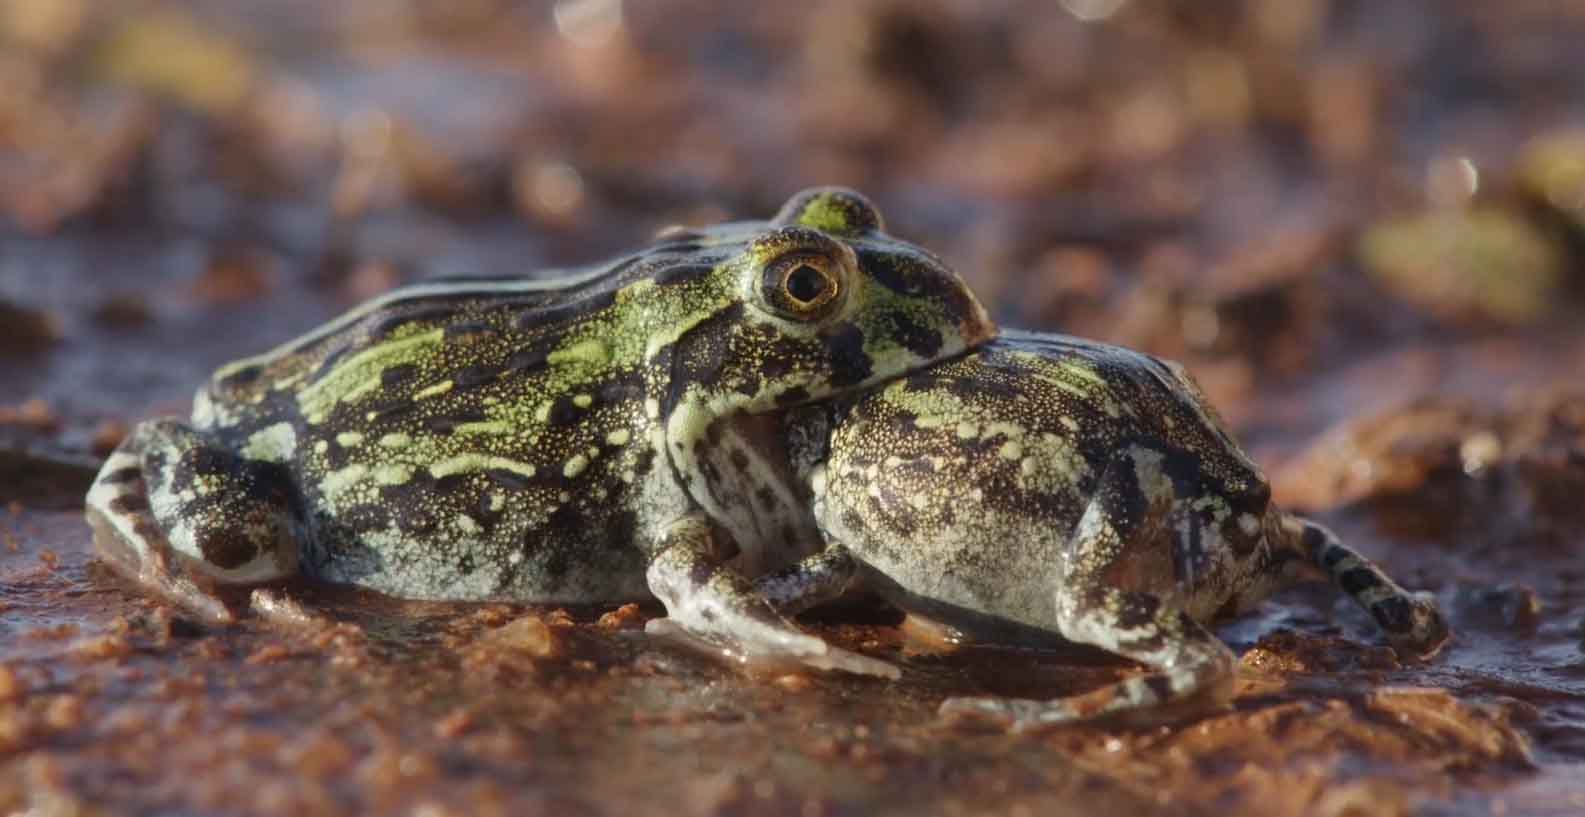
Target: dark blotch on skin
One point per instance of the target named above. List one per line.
(398, 374)
(129, 503)
(921, 340)
(529, 359)
(476, 375)
(1357, 581)
(120, 475)
(447, 423)
(242, 377)
(793, 396)
(507, 479)
(534, 320)
(850, 365)
(227, 549)
(564, 412)
(392, 410)
(682, 274)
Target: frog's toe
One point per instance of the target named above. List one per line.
(1421, 631)
(770, 649)
(836, 658)
(1013, 714)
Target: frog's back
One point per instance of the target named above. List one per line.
(470, 438)
(1106, 398)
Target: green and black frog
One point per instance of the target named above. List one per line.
(600, 437)
(1047, 485)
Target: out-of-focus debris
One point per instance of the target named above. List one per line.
(1551, 169)
(171, 55)
(1484, 264)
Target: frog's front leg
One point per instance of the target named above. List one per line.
(708, 601)
(177, 512)
(825, 576)
(1121, 529)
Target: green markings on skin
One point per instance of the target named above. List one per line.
(275, 443)
(338, 483)
(475, 463)
(826, 213)
(590, 352)
(359, 375)
(496, 427)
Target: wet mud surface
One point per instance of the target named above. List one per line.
(1362, 228)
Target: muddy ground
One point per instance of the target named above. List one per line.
(1361, 225)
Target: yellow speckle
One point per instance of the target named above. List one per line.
(542, 413)
(564, 497)
(497, 501)
(433, 391)
(582, 400)
(634, 290)
(395, 439)
(474, 463)
(618, 437)
(337, 483)
(466, 524)
(1068, 423)
(1012, 450)
(592, 352)
(349, 439)
(393, 474)
(273, 443)
(484, 427)
(593, 452)
(652, 408)
(968, 430)
(321, 446)
(575, 466)
(629, 476)
(927, 421)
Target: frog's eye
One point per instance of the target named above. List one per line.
(802, 286)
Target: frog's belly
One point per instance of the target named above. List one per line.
(552, 564)
(467, 539)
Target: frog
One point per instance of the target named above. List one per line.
(597, 436)
(1047, 488)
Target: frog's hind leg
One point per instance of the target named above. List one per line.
(177, 513)
(1187, 663)
(1411, 621)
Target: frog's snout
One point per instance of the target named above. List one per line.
(977, 326)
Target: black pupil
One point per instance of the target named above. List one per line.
(805, 284)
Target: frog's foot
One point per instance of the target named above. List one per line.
(180, 515)
(1188, 666)
(1412, 622)
(711, 605)
(130, 542)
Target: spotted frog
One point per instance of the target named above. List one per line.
(599, 437)
(1044, 485)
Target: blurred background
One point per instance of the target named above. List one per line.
(1271, 191)
(1361, 225)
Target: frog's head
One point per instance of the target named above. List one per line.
(831, 303)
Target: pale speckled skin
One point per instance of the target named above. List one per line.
(598, 437)
(1046, 485)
